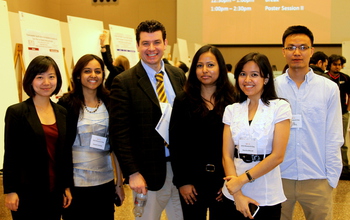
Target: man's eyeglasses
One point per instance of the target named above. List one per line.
(293, 48)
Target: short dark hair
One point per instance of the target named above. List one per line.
(150, 26)
(40, 64)
(298, 29)
(183, 66)
(333, 58)
(319, 55)
(269, 92)
(228, 67)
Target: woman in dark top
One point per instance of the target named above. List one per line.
(119, 65)
(38, 170)
(196, 135)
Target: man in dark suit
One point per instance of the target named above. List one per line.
(135, 112)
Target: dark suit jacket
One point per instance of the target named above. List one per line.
(134, 114)
(26, 166)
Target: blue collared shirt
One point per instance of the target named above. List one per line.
(313, 150)
(169, 91)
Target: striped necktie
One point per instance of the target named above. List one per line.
(160, 87)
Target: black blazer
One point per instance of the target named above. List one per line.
(134, 114)
(26, 157)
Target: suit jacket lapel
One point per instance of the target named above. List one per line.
(145, 83)
(34, 121)
(173, 78)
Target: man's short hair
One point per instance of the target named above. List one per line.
(150, 26)
(228, 67)
(298, 29)
(319, 55)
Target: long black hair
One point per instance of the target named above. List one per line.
(224, 94)
(76, 96)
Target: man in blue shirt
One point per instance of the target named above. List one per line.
(312, 163)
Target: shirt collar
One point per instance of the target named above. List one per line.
(150, 72)
(308, 77)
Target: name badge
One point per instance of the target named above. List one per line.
(98, 142)
(248, 146)
(296, 121)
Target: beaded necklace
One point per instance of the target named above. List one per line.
(96, 108)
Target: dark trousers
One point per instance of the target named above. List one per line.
(205, 199)
(264, 213)
(39, 206)
(91, 203)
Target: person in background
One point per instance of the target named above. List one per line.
(183, 66)
(38, 172)
(87, 133)
(335, 65)
(255, 138)
(318, 63)
(137, 105)
(312, 164)
(195, 134)
(230, 75)
(120, 64)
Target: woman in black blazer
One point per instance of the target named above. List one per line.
(37, 164)
(195, 134)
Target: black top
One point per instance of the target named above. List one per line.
(195, 141)
(113, 70)
(343, 81)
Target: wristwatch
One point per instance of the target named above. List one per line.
(250, 178)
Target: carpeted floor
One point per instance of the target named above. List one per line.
(341, 205)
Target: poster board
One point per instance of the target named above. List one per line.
(84, 36)
(123, 42)
(183, 51)
(42, 36)
(9, 93)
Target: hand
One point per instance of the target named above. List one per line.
(12, 201)
(242, 203)
(188, 192)
(219, 197)
(67, 198)
(104, 38)
(138, 183)
(233, 184)
(120, 191)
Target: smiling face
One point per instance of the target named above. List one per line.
(151, 48)
(207, 69)
(44, 84)
(298, 59)
(250, 80)
(91, 76)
